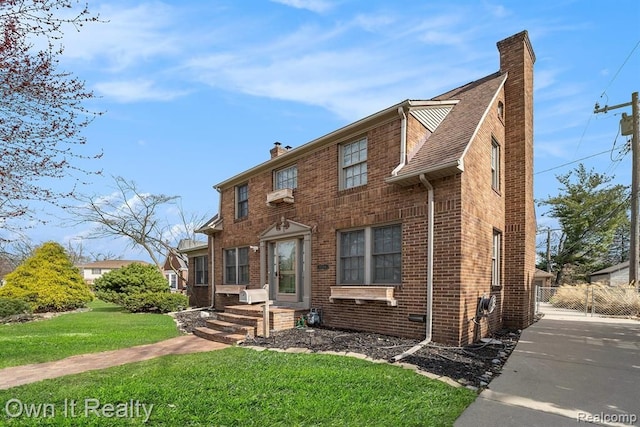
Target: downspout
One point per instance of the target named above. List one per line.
(403, 142)
(430, 246)
(213, 271)
(213, 258)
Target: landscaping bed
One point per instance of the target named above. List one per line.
(473, 366)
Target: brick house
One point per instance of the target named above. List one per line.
(399, 222)
(176, 270)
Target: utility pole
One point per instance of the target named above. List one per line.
(548, 250)
(634, 129)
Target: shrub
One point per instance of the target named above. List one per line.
(48, 281)
(12, 306)
(161, 302)
(139, 288)
(132, 279)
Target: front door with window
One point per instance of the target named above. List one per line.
(286, 270)
(285, 263)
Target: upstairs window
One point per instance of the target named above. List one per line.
(287, 178)
(495, 164)
(236, 266)
(242, 201)
(354, 164)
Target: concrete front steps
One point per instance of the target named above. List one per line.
(241, 322)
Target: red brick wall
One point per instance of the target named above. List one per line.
(199, 296)
(320, 204)
(467, 210)
(517, 58)
(483, 211)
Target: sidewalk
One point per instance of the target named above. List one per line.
(566, 371)
(19, 375)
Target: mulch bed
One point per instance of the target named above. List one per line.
(474, 366)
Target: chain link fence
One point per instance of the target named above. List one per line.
(593, 300)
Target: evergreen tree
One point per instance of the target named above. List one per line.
(48, 281)
(589, 210)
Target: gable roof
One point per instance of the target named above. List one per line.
(175, 261)
(542, 274)
(454, 117)
(443, 152)
(612, 269)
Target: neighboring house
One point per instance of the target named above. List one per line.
(94, 270)
(617, 275)
(542, 278)
(397, 223)
(198, 271)
(176, 271)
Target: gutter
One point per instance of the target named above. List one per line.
(430, 247)
(403, 142)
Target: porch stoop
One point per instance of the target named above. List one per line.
(241, 322)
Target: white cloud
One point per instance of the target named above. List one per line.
(497, 10)
(136, 91)
(331, 68)
(128, 36)
(318, 6)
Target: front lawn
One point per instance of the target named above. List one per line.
(239, 387)
(105, 327)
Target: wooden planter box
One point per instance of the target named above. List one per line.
(361, 294)
(230, 289)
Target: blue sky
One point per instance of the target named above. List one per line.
(195, 92)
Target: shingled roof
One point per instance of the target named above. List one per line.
(443, 152)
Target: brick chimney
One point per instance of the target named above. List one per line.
(516, 60)
(277, 150)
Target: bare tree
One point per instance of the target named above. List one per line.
(137, 216)
(41, 108)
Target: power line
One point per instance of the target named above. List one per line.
(575, 161)
(620, 69)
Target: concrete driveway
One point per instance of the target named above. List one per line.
(566, 370)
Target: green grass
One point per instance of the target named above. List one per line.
(242, 387)
(105, 327)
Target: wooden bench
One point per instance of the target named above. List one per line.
(361, 294)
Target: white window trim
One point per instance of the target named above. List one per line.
(343, 177)
(368, 257)
(172, 278)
